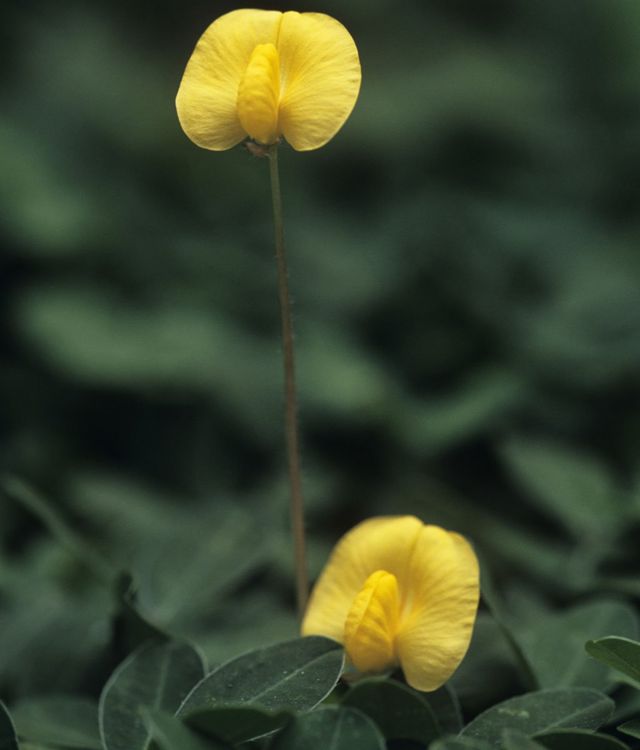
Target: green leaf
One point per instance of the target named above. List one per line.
(445, 705)
(534, 713)
(235, 724)
(399, 711)
(622, 654)
(335, 728)
(572, 739)
(169, 733)
(632, 728)
(8, 739)
(459, 743)
(156, 676)
(66, 720)
(555, 645)
(295, 675)
(512, 739)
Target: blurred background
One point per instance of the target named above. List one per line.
(465, 267)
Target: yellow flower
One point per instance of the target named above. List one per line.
(267, 74)
(398, 592)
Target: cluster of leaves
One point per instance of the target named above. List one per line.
(288, 696)
(284, 697)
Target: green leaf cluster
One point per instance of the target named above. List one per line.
(285, 697)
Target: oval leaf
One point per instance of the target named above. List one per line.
(335, 728)
(235, 724)
(66, 720)
(622, 654)
(8, 739)
(295, 675)
(572, 739)
(534, 713)
(169, 733)
(156, 676)
(399, 712)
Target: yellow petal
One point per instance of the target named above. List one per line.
(372, 624)
(207, 97)
(383, 543)
(320, 73)
(259, 94)
(436, 631)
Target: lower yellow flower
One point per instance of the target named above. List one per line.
(267, 74)
(397, 592)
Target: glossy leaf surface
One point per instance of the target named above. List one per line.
(294, 675)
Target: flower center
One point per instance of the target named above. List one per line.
(372, 624)
(259, 94)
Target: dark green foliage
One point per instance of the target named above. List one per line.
(464, 261)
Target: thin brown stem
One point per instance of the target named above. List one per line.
(290, 398)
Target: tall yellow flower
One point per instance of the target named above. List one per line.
(267, 74)
(398, 592)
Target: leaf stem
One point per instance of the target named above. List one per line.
(290, 399)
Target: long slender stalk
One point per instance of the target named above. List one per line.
(290, 398)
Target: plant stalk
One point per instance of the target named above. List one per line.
(290, 398)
